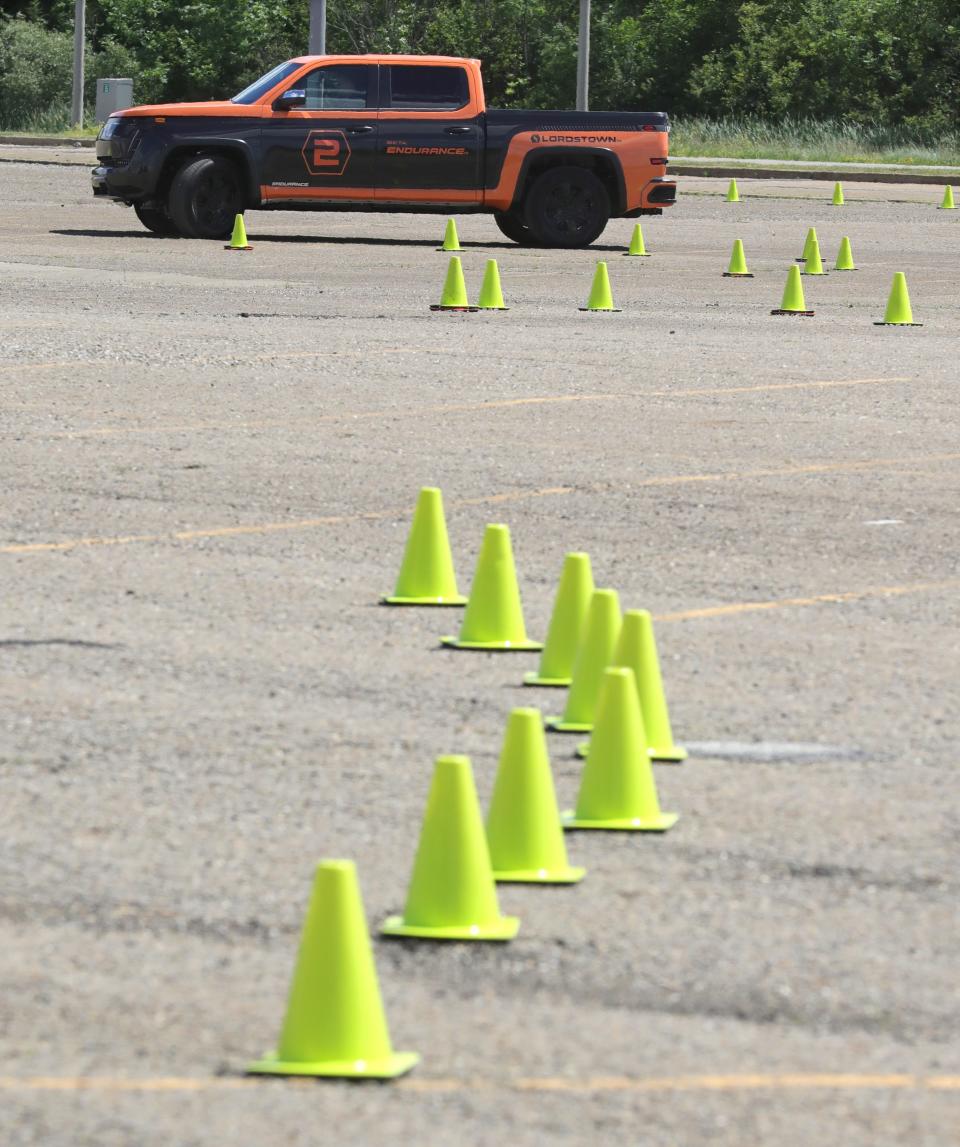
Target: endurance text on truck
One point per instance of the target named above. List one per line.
(383, 133)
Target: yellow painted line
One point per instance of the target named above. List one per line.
(468, 407)
(490, 499)
(740, 607)
(799, 1081)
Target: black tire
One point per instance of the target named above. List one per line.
(155, 219)
(567, 207)
(205, 197)
(513, 226)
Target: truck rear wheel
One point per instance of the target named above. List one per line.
(567, 207)
(155, 219)
(513, 226)
(205, 197)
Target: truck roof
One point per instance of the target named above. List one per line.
(383, 58)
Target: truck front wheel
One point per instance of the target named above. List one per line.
(513, 226)
(205, 197)
(567, 207)
(155, 219)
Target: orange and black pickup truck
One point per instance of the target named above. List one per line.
(383, 133)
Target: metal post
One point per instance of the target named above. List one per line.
(318, 27)
(79, 36)
(583, 59)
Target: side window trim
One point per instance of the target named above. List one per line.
(386, 90)
(374, 80)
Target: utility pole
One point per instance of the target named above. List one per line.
(79, 36)
(583, 59)
(318, 28)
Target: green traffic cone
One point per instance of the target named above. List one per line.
(637, 246)
(837, 195)
(451, 240)
(948, 203)
(566, 624)
(793, 301)
(597, 644)
(845, 257)
(494, 616)
(452, 894)
(523, 825)
(491, 293)
(238, 240)
(617, 789)
(335, 1024)
(733, 192)
(814, 264)
(454, 296)
(601, 297)
(807, 245)
(899, 313)
(738, 263)
(426, 574)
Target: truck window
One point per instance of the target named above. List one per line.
(428, 88)
(260, 87)
(336, 87)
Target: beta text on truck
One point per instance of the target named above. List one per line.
(383, 133)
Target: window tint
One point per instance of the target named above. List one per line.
(429, 88)
(338, 86)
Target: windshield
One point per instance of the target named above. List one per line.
(260, 87)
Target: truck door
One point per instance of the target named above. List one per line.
(326, 148)
(431, 137)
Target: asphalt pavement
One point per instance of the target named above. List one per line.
(209, 465)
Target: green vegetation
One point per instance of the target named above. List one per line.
(853, 79)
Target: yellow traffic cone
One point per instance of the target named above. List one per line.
(738, 263)
(837, 195)
(899, 313)
(814, 264)
(793, 301)
(454, 297)
(948, 203)
(491, 293)
(426, 574)
(845, 257)
(601, 297)
(617, 789)
(335, 1024)
(597, 644)
(637, 246)
(523, 824)
(494, 616)
(238, 240)
(452, 894)
(566, 624)
(733, 192)
(807, 245)
(451, 240)
(637, 650)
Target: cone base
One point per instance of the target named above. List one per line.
(558, 725)
(898, 324)
(807, 314)
(449, 250)
(942, 208)
(637, 254)
(664, 821)
(440, 307)
(230, 247)
(525, 646)
(674, 755)
(389, 1068)
(446, 601)
(815, 274)
(566, 875)
(601, 310)
(547, 682)
(846, 268)
(738, 274)
(503, 929)
(481, 307)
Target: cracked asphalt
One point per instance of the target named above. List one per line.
(199, 695)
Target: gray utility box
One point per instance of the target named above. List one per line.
(112, 96)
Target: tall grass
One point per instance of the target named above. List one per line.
(52, 120)
(837, 141)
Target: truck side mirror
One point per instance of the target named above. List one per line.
(294, 98)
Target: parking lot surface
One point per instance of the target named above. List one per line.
(209, 465)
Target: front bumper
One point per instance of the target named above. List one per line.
(124, 184)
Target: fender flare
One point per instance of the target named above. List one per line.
(536, 154)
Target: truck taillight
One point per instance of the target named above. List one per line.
(659, 161)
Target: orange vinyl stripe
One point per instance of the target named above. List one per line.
(365, 194)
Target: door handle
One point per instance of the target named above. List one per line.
(363, 129)
(459, 130)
